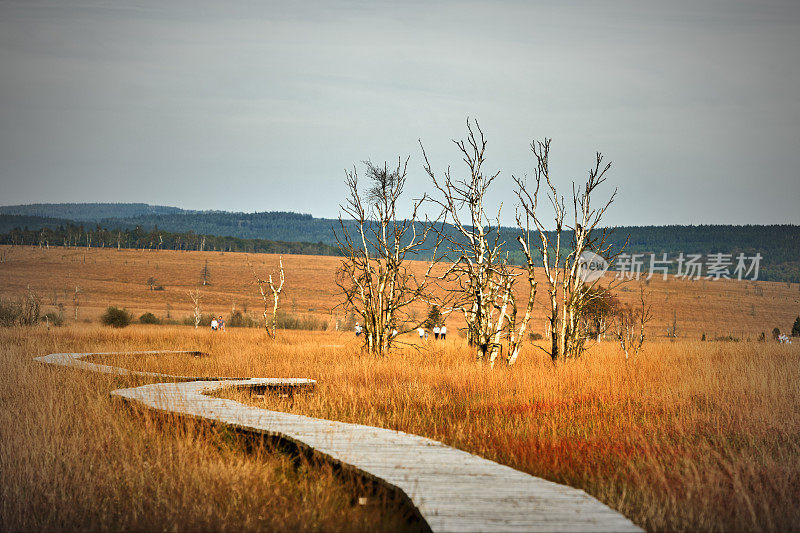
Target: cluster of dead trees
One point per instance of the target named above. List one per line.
(469, 272)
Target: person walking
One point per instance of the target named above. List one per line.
(358, 329)
(436, 332)
(442, 332)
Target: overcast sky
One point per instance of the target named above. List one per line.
(259, 106)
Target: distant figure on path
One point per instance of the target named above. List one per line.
(214, 324)
(358, 329)
(443, 331)
(436, 332)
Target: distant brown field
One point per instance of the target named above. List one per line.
(740, 309)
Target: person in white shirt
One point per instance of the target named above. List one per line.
(358, 329)
(214, 324)
(421, 332)
(436, 332)
(443, 331)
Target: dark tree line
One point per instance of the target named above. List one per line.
(77, 236)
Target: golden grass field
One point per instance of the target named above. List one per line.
(71, 458)
(741, 309)
(687, 436)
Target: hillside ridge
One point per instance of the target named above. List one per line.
(779, 245)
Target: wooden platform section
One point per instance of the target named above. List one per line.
(453, 490)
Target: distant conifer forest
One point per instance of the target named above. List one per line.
(163, 227)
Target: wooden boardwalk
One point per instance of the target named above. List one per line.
(453, 490)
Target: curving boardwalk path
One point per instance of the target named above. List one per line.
(453, 490)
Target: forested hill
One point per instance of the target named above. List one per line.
(778, 244)
(89, 212)
(279, 226)
(17, 230)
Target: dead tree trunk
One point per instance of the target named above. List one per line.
(76, 301)
(630, 325)
(376, 283)
(273, 295)
(479, 273)
(205, 274)
(570, 285)
(195, 296)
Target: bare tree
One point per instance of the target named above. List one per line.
(196, 296)
(630, 322)
(568, 287)
(672, 331)
(76, 302)
(30, 308)
(374, 276)
(479, 275)
(273, 294)
(205, 272)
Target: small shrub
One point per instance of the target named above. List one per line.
(23, 312)
(116, 317)
(434, 317)
(311, 323)
(10, 313)
(31, 305)
(149, 318)
(53, 318)
(535, 336)
(237, 319)
(205, 320)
